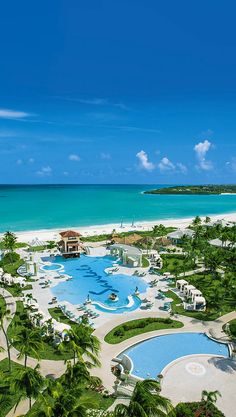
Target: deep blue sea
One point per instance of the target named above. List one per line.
(54, 206)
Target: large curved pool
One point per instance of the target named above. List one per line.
(150, 357)
(89, 278)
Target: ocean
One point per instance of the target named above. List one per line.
(33, 207)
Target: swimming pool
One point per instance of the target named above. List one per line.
(90, 278)
(150, 357)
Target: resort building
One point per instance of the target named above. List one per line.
(180, 284)
(126, 240)
(187, 290)
(221, 244)
(70, 244)
(177, 236)
(194, 293)
(129, 255)
(199, 303)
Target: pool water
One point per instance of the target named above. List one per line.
(151, 356)
(90, 278)
(51, 267)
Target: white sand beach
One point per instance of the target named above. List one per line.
(52, 234)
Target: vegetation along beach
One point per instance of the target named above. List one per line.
(117, 208)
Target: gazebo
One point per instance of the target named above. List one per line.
(130, 255)
(70, 244)
(180, 284)
(187, 289)
(199, 303)
(195, 293)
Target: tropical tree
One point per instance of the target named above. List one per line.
(77, 374)
(207, 219)
(29, 342)
(146, 401)
(197, 221)
(5, 315)
(209, 399)
(28, 382)
(9, 242)
(82, 342)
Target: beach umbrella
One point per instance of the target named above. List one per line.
(36, 242)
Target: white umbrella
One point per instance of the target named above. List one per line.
(37, 242)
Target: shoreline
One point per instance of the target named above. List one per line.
(52, 234)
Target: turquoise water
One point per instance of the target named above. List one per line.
(151, 356)
(89, 278)
(56, 206)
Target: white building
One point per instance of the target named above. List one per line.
(130, 255)
(177, 236)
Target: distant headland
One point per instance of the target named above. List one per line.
(195, 189)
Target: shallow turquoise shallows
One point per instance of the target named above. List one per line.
(56, 206)
(151, 356)
(90, 278)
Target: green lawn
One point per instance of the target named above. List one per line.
(135, 327)
(48, 351)
(15, 290)
(57, 314)
(11, 397)
(173, 263)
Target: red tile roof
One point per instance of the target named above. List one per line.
(70, 233)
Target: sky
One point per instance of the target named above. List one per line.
(128, 91)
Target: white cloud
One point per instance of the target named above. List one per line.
(19, 162)
(144, 162)
(45, 171)
(201, 150)
(105, 155)
(166, 165)
(66, 173)
(74, 157)
(31, 160)
(181, 168)
(231, 164)
(12, 114)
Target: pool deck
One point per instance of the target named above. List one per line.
(44, 295)
(195, 373)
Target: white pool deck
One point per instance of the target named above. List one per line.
(44, 295)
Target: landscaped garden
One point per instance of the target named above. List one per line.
(135, 327)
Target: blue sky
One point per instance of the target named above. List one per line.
(124, 91)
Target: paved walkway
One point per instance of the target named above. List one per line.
(108, 351)
(202, 372)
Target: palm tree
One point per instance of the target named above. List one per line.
(76, 375)
(82, 342)
(29, 342)
(27, 382)
(9, 241)
(209, 398)
(197, 221)
(5, 315)
(146, 401)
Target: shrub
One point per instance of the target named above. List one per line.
(10, 258)
(190, 409)
(232, 328)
